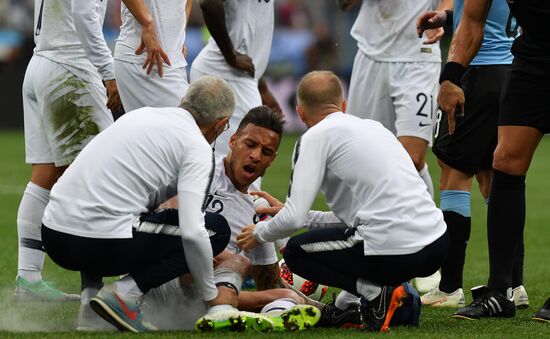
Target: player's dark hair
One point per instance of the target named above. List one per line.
(263, 116)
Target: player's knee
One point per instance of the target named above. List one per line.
(509, 161)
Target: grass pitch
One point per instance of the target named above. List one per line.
(41, 320)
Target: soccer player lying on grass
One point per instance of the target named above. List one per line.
(394, 232)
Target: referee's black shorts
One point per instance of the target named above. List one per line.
(527, 96)
(470, 149)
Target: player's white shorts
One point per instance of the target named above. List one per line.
(400, 95)
(62, 112)
(137, 89)
(248, 97)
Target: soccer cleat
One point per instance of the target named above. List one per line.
(437, 298)
(487, 303)
(332, 316)
(297, 318)
(521, 300)
(426, 284)
(40, 291)
(124, 313)
(544, 313)
(409, 312)
(234, 320)
(379, 312)
(90, 321)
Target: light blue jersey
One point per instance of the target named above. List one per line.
(500, 30)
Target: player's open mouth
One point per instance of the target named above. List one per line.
(249, 169)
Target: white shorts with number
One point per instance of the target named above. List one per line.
(62, 112)
(248, 97)
(137, 89)
(400, 95)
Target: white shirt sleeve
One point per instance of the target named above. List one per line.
(320, 219)
(88, 24)
(310, 158)
(193, 183)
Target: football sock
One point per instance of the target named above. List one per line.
(345, 300)
(128, 288)
(29, 223)
(505, 223)
(517, 275)
(219, 308)
(229, 278)
(425, 175)
(87, 294)
(368, 289)
(276, 307)
(456, 212)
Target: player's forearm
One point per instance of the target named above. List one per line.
(140, 12)
(88, 27)
(214, 18)
(469, 34)
(266, 276)
(346, 5)
(445, 5)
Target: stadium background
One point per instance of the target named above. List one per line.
(310, 34)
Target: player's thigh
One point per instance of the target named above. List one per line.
(413, 87)
(470, 149)
(138, 89)
(74, 112)
(263, 254)
(453, 179)
(37, 149)
(369, 95)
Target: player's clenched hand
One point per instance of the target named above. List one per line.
(451, 100)
(430, 20)
(244, 63)
(276, 205)
(155, 54)
(113, 98)
(246, 240)
(433, 36)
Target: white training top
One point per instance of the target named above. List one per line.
(369, 182)
(250, 25)
(70, 33)
(170, 22)
(146, 157)
(236, 207)
(386, 31)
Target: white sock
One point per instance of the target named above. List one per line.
(87, 294)
(219, 308)
(127, 288)
(368, 289)
(29, 223)
(345, 300)
(276, 307)
(227, 275)
(425, 175)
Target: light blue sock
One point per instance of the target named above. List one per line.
(456, 201)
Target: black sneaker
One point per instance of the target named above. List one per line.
(544, 313)
(487, 303)
(332, 316)
(378, 313)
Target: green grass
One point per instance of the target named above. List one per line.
(48, 318)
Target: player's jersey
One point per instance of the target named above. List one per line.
(500, 30)
(534, 42)
(143, 159)
(170, 22)
(369, 182)
(250, 26)
(386, 31)
(56, 38)
(225, 199)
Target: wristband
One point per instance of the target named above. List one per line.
(453, 71)
(449, 20)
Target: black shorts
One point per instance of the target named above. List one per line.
(471, 147)
(526, 99)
